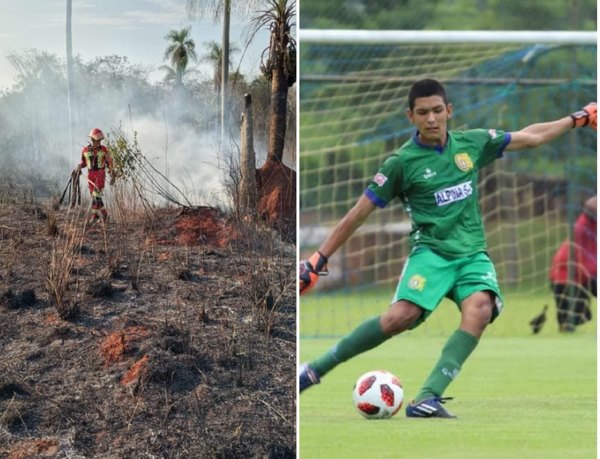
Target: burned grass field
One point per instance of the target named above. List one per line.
(165, 333)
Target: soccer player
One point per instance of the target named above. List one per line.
(435, 176)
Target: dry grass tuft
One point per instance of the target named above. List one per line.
(64, 253)
(52, 224)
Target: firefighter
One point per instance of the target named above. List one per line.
(97, 159)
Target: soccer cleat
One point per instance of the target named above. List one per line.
(566, 327)
(307, 377)
(429, 408)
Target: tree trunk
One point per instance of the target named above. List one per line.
(278, 119)
(248, 192)
(225, 68)
(70, 75)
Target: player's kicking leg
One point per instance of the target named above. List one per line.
(399, 317)
(307, 376)
(429, 408)
(366, 336)
(476, 313)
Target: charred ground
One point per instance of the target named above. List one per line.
(174, 335)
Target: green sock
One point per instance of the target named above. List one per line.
(457, 349)
(364, 337)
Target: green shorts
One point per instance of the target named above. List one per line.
(428, 277)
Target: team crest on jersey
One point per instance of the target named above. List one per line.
(380, 179)
(417, 282)
(463, 161)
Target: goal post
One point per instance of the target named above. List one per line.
(353, 99)
(386, 37)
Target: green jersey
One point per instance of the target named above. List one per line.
(438, 187)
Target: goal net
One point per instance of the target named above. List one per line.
(353, 99)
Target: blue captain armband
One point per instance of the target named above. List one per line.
(372, 196)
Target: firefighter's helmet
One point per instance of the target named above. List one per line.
(96, 134)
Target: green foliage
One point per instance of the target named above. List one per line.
(279, 17)
(180, 51)
(450, 15)
(126, 154)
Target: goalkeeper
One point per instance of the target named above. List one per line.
(573, 294)
(435, 176)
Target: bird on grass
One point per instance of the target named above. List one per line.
(538, 321)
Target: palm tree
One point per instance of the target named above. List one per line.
(70, 72)
(222, 8)
(279, 68)
(180, 52)
(170, 74)
(214, 56)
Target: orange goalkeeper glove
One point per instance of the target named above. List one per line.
(585, 116)
(310, 270)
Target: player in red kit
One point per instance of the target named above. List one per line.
(573, 295)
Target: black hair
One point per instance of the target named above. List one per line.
(426, 88)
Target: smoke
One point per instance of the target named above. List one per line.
(189, 161)
(175, 129)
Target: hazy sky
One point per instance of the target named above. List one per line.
(131, 28)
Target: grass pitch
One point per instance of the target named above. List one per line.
(518, 396)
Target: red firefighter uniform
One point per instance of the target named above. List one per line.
(97, 159)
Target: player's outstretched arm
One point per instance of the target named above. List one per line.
(541, 133)
(316, 265)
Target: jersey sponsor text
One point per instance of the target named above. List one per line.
(453, 194)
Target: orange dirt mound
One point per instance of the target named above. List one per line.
(199, 226)
(116, 344)
(163, 256)
(138, 369)
(276, 184)
(52, 318)
(31, 449)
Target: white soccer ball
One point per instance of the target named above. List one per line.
(378, 395)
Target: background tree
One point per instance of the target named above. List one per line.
(170, 77)
(180, 52)
(276, 182)
(222, 9)
(39, 81)
(214, 57)
(70, 93)
(458, 14)
(279, 68)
